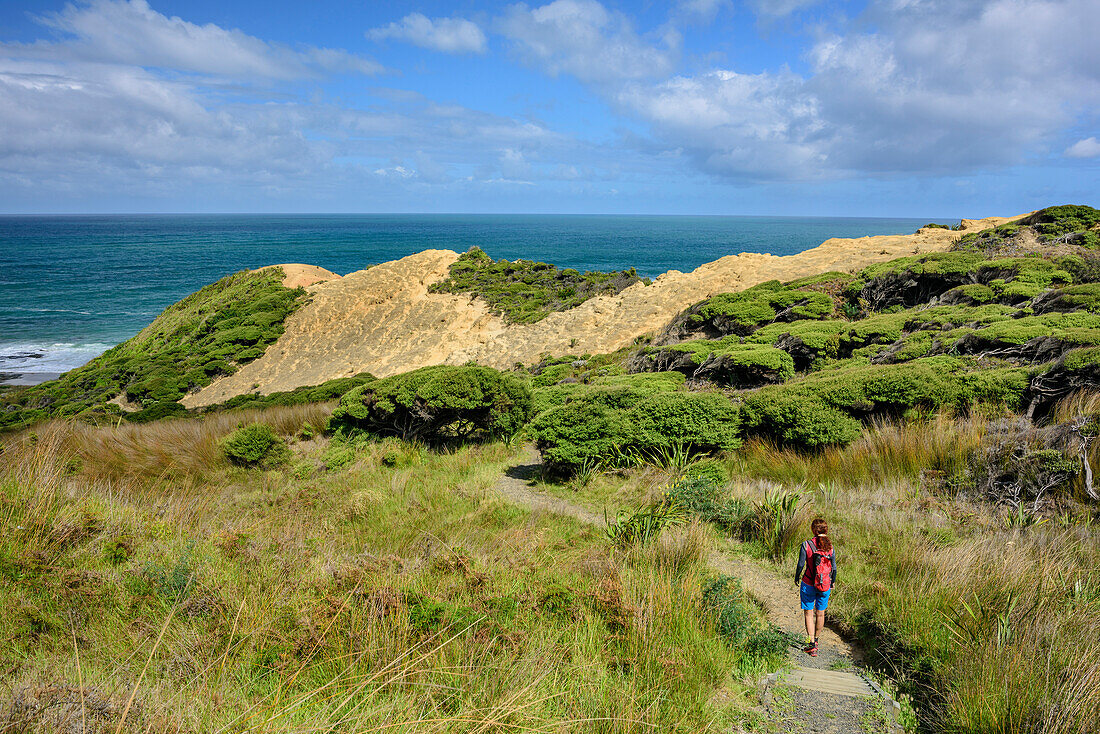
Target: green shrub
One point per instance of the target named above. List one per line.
(723, 361)
(439, 405)
(183, 349)
(157, 411)
(255, 445)
(625, 426)
(614, 391)
(1057, 221)
(727, 603)
(742, 312)
(798, 419)
(326, 391)
(523, 291)
(736, 621)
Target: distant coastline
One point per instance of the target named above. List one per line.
(109, 276)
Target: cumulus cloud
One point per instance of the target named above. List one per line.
(450, 35)
(937, 87)
(588, 41)
(130, 32)
(1086, 148)
(104, 108)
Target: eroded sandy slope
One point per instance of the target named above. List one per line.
(384, 321)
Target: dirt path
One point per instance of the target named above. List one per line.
(799, 701)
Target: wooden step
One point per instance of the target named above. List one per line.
(827, 681)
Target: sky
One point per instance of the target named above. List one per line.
(945, 108)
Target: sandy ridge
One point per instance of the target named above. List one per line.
(384, 321)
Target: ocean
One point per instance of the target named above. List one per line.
(73, 286)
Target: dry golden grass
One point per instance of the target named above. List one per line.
(884, 451)
(390, 593)
(184, 452)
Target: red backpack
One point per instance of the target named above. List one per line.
(819, 567)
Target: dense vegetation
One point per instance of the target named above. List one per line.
(267, 563)
(628, 424)
(953, 330)
(437, 405)
(1070, 224)
(363, 585)
(524, 291)
(210, 333)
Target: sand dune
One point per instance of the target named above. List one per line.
(383, 320)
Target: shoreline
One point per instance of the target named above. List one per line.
(25, 379)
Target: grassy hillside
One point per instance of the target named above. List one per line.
(152, 585)
(263, 566)
(210, 333)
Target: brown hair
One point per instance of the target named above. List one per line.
(820, 529)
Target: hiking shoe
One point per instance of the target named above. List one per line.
(811, 649)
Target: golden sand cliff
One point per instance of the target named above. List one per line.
(384, 321)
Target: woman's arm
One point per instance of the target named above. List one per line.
(801, 564)
(832, 581)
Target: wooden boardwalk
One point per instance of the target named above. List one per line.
(828, 681)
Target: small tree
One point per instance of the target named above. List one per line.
(438, 405)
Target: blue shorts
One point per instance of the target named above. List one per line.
(811, 598)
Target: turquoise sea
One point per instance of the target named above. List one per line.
(72, 286)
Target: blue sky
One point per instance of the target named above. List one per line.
(942, 108)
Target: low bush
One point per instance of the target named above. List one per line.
(742, 312)
(523, 291)
(438, 405)
(798, 419)
(614, 389)
(616, 426)
(1019, 464)
(737, 621)
(330, 390)
(724, 361)
(1059, 221)
(255, 445)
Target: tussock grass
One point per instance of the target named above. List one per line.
(992, 628)
(885, 451)
(183, 452)
(389, 591)
(989, 626)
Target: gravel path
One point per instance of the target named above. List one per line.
(790, 709)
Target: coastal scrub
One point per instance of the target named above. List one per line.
(209, 333)
(524, 291)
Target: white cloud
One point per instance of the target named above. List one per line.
(586, 40)
(450, 35)
(514, 165)
(1086, 148)
(102, 108)
(121, 32)
(779, 8)
(938, 87)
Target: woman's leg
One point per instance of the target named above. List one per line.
(810, 624)
(820, 614)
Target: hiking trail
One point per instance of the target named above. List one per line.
(823, 694)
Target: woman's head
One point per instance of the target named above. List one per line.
(820, 529)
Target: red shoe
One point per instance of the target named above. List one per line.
(811, 649)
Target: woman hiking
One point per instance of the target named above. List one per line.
(819, 559)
